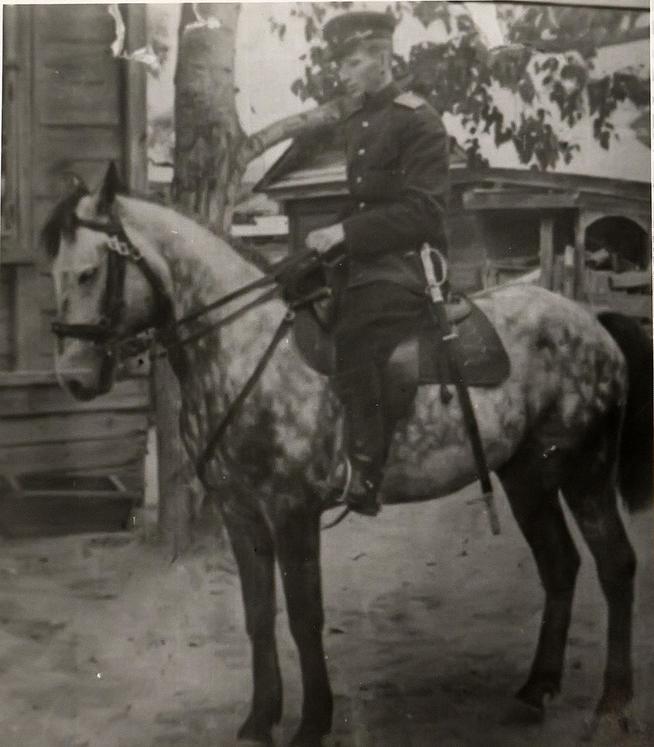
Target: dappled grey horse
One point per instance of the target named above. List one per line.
(574, 416)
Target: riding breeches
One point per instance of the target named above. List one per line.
(371, 320)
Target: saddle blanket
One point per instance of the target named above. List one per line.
(484, 361)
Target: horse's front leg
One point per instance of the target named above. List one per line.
(298, 543)
(253, 549)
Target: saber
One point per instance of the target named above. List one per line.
(451, 342)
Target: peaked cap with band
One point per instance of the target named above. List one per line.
(345, 32)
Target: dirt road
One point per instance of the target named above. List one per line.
(431, 624)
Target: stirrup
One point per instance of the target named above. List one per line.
(333, 497)
(328, 504)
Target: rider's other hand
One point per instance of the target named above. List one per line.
(323, 239)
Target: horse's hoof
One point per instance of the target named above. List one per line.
(610, 727)
(255, 733)
(523, 713)
(307, 738)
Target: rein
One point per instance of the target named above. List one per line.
(121, 250)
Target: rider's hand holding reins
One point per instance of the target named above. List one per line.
(323, 239)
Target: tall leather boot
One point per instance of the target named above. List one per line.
(360, 392)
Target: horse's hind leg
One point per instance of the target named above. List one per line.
(253, 549)
(529, 480)
(298, 546)
(591, 495)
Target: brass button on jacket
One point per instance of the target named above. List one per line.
(399, 189)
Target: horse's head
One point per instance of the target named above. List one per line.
(104, 291)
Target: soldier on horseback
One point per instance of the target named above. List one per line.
(397, 171)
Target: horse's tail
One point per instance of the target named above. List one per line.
(635, 469)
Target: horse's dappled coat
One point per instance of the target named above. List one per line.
(277, 424)
(556, 369)
(561, 408)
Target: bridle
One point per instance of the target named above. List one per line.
(120, 251)
(289, 275)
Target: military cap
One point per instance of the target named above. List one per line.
(345, 32)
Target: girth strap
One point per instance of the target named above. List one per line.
(236, 404)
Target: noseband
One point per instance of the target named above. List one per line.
(121, 251)
(288, 274)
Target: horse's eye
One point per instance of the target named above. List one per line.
(86, 276)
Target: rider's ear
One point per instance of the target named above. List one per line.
(111, 186)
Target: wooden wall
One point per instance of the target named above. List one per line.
(6, 318)
(77, 122)
(75, 108)
(43, 431)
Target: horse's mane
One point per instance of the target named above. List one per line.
(181, 236)
(150, 212)
(60, 221)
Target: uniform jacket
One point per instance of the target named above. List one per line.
(397, 171)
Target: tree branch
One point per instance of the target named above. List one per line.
(327, 114)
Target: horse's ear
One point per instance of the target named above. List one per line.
(111, 186)
(69, 182)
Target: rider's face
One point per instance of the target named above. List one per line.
(363, 71)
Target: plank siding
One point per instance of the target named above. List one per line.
(73, 23)
(25, 395)
(44, 431)
(6, 318)
(77, 83)
(20, 431)
(86, 154)
(75, 116)
(110, 455)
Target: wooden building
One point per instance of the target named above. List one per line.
(68, 106)
(502, 222)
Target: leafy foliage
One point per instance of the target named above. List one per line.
(547, 67)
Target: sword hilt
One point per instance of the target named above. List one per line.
(434, 283)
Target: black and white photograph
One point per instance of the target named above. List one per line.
(326, 375)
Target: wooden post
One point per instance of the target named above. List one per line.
(173, 469)
(547, 252)
(579, 260)
(135, 139)
(569, 280)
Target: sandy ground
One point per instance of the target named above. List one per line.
(431, 624)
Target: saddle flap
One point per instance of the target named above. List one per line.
(483, 359)
(314, 343)
(421, 357)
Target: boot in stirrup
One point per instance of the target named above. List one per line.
(362, 494)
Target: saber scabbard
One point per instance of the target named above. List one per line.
(451, 345)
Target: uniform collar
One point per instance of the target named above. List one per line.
(382, 97)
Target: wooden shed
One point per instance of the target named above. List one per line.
(590, 235)
(502, 222)
(68, 105)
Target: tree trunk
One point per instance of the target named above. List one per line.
(208, 139)
(208, 134)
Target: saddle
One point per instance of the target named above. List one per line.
(420, 358)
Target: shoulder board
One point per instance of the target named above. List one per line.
(410, 100)
(357, 108)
